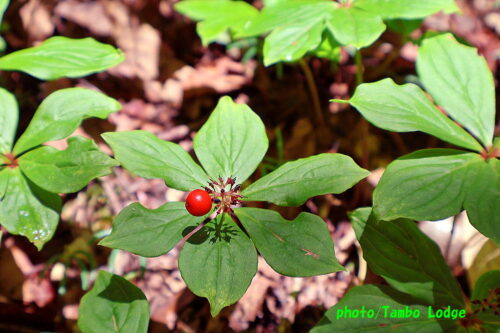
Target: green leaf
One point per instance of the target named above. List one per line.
(461, 82)
(301, 247)
(9, 114)
(482, 201)
(217, 16)
(415, 267)
(63, 57)
(405, 108)
(295, 182)
(232, 142)
(66, 171)
(28, 210)
(356, 27)
(61, 113)
(150, 157)
(329, 49)
(290, 43)
(150, 232)
(486, 286)
(4, 182)
(296, 28)
(404, 27)
(113, 305)
(486, 292)
(288, 13)
(3, 7)
(408, 9)
(433, 184)
(429, 184)
(218, 262)
(382, 305)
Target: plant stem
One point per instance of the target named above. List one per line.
(358, 58)
(313, 91)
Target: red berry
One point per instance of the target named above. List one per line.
(198, 202)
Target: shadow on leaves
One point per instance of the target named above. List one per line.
(215, 231)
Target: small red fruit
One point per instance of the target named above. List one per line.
(198, 202)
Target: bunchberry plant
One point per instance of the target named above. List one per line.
(297, 27)
(32, 175)
(433, 184)
(422, 295)
(219, 260)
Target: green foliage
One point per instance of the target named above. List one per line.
(232, 142)
(219, 261)
(63, 57)
(406, 9)
(61, 113)
(3, 7)
(151, 232)
(9, 114)
(381, 300)
(405, 108)
(460, 81)
(113, 305)
(356, 27)
(217, 17)
(302, 247)
(147, 156)
(414, 267)
(28, 210)
(69, 170)
(420, 282)
(296, 27)
(437, 183)
(295, 182)
(31, 176)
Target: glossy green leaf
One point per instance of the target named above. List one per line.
(428, 184)
(113, 305)
(408, 9)
(217, 16)
(405, 108)
(415, 267)
(482, 201)
(295, 182)
(218, 263)
(290, 13)
(232, 142)
(3, 7)
(290, 43)
(379, 302)
(301, 247)
(28, 210)
(63, 57)
(61, 113)
(9, 114)
(356, 27)
(150, 157)
(461, 82)
(150, 232)
(69, 170)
